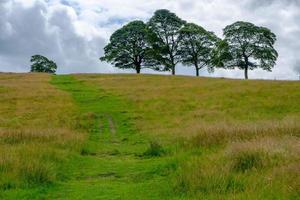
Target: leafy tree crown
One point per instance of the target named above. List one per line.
(250, 46)
(197, 45)
(166, 26)
(128, 46)
(42, 64)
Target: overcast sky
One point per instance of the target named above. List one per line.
(74, 32)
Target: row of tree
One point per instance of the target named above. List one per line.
(166, 40)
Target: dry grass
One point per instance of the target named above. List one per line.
(35, 132)
(262, 168)
(217, 134)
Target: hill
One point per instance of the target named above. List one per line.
(148, 137)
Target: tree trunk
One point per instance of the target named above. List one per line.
(246, 73)
(138, 68)
(246, 66)
(197, 69)
(173, 65)
(173, 70)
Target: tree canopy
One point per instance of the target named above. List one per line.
(166, 26)
(42, 64)
(249, 47)
(196, 46)
(128, 47)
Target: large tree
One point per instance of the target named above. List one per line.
(128, 47)
(196, 47)
(42, 64)
(249, 47)
(166, 26)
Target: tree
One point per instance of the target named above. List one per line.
(42, 64)
(249, 47)
(166, 26)
(196, 46)
(128, 47)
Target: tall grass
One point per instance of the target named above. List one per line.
(261, 168)
(36, 135)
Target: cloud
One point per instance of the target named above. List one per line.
(74, 32)
(53, 31)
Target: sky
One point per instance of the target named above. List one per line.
(74, 32)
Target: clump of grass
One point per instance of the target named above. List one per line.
(37, 173)
(86, 121)
(188, 176)
(194, 178)
(87, 151)
(245, 161)
(7, 185)
(114, 152)
(6, 162)
(30, 165)
(262, 153)
(154, 150)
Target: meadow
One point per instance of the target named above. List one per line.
(90, 136)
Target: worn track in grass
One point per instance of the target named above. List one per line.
(110, 166)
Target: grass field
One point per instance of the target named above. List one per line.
(148, 137)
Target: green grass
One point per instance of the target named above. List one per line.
(150, 137)
(111, 164)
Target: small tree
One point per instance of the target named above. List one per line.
(128, 47)
(196, 47)
(249, 47)
(166, 26)
(42, 64)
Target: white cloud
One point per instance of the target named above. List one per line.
(74, 32)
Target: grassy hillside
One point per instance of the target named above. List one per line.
(148, 137)
(36, 133)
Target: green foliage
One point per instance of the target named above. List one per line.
(42, 64)
(166, 26)
(128, 47)
(249, 47)
(196, 46)
(154, 150)
(220, 54)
